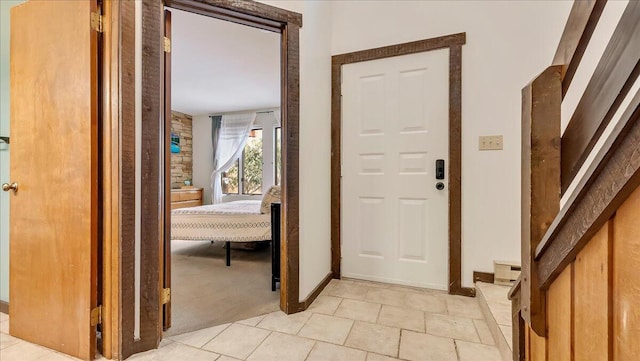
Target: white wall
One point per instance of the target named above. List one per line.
(5, 6)
(508, 43)
(315, 140)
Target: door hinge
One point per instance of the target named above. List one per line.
(96, 22)
(166, 295)
(96, 316)
(167, 45)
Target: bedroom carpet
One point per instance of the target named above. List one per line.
(205, 293)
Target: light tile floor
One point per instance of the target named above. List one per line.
(350, 321)
(496, 308)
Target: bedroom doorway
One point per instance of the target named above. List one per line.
(146, 281)
(222, 96)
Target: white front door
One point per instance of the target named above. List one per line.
(395, 126)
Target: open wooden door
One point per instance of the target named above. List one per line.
(166, 310)
(54, 162)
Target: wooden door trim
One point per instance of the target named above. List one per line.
(150, 283)
(454, 43)
(166, 129)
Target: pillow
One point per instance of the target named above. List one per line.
(272, 196)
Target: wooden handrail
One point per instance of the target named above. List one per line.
(552, 237)
(613, 175)
(581, 24)
(616, 72)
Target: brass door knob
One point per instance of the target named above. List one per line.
(10, 187)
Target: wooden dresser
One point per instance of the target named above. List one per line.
(186, 197)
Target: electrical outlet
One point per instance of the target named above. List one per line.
(491, 142)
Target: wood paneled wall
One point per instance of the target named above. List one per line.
(594, 305)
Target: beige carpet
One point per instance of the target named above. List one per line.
(205, 293)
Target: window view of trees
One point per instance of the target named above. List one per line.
(230, 180)
(252, 164)
(249, 171)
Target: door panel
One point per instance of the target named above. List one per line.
(395, 127)
(54, 149)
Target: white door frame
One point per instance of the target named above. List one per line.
(454, 42)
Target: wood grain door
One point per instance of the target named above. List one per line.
(54, 161)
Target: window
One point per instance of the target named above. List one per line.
(230, 179)
(278, 157)
(252, 164)
(247, 169)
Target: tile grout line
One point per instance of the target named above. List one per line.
(305, 322)
(218, 334)
(257, 346)
(310, 351)
(399, 343)
(336, 310)
(344, 343)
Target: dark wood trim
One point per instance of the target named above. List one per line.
(244, 12)
(615, 74)
(4, 307)
(413, 47)
(166, 184)
(152, 195)
(485, 277)
(455, 170)
(336, 165)
(580, 26)
(316, 291)
(127, 176)
(290, 241)
(613, 175)
(454, 43)
(540, 200)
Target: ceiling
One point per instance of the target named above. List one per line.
(218, 66)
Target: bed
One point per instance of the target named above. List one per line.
(239, 221)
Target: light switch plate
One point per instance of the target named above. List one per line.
(491, 142)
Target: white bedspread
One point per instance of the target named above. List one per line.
(239, 221)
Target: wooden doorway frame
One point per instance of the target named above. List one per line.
(454, 43)
(287, 24)
(153, 194)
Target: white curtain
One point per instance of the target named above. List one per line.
(232, 137)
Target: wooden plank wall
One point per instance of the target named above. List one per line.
(594, 305)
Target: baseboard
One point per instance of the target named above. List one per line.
(316, 292)
(463, 291)
(485, 277)
(4, 307)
